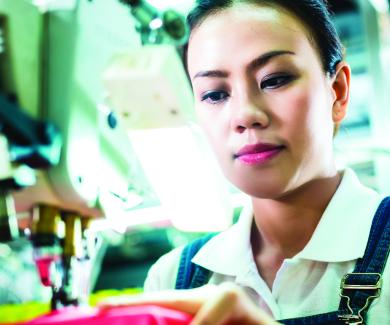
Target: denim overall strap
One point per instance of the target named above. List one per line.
(377, 249)
(320, 319)
(191, 275)
(363, 285)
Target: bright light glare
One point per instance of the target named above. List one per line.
(181, 5)
(156, 23)
(193, 193)
(47, 5)
(380, 5)
(126, 220)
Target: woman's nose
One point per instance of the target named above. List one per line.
(249, 114)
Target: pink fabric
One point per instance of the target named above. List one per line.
(134, 315)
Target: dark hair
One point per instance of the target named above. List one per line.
(313, 13)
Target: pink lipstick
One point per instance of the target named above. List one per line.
(258, 154)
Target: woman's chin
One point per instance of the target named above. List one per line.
(267, 190)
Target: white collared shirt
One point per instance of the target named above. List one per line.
(308, 283)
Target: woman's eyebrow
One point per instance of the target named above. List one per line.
(212, 74)
(265, 58)
(254, 64)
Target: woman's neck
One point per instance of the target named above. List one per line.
(284, 226)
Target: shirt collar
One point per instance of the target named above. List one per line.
(341, 234)
(229, 251)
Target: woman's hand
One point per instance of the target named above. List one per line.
(211, 305)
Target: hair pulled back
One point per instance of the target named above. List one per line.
(313, 13)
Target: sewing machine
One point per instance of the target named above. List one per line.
(72, 85)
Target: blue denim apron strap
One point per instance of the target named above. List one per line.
(363, 285)
(357, 291)
(191, 275)
(320, 319)
(377, 249)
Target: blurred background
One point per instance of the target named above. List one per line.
(102, 165)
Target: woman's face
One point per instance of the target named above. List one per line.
(263, 99)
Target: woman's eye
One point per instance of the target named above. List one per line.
(214, 97)
(274, 82)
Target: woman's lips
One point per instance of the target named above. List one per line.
(259, 153)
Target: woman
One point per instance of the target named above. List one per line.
(271, 89)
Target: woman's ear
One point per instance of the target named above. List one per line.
(340, 86)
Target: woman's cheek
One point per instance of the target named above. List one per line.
(294, 110)
(209, 126)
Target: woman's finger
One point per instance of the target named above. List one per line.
(231, 305)
(218, 309)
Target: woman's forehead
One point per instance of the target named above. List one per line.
(254, 11)
(246, 12)
(244, 29)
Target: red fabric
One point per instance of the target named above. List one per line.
(134, 315)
